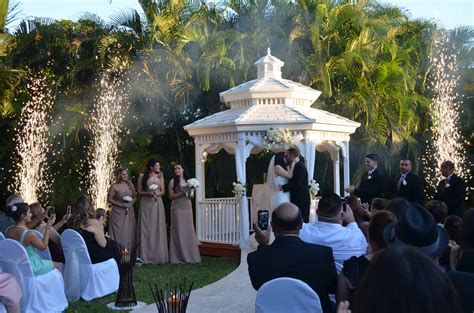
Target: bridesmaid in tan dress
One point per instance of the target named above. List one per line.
(183, 243)
(122, 197)
(153, 248)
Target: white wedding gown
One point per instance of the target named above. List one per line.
(275, 195)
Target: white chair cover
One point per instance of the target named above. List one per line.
(82, 278)
(287, 295)
(44, 293)
(2, 236)
(45, 254)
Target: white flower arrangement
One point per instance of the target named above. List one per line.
(313, 188)
(447, 185)
(127, 199)
(404, 182)
(153, 187)
(239, 190)
(192, 183)
(14, 208)
(276, 136)
(369, 177)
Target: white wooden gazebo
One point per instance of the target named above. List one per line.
(256, 106)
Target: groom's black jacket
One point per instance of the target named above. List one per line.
(299, 189)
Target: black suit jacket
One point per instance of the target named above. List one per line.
(299, 189)
(413, 191)
(453, 195)
(289, 256)
(370, 188)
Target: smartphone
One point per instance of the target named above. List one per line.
(51, 211)
(68, 209)
(262, 221)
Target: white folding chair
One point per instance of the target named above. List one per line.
(43, 293)
(82, 278)
(287, 295)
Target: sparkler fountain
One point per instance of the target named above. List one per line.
(446, 141)
(106, 125)
(31, 177)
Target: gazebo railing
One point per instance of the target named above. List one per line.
(219, 220)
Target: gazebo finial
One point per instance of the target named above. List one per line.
(269, 51)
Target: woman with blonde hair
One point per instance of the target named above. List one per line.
(122, 197)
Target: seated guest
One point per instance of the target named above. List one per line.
(289, 256)
(453, 225)
(438, 209)
(401, 279)
(398, 206)
(378, 204)
(355, 267)
(464, 284)
(417, 228)
(462, 256)
(84, 221)
(21, 214)
(54, 236)
(328, 230)
(10, 293)
(101, 215)
(6, 221)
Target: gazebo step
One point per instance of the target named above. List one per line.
(219, 249)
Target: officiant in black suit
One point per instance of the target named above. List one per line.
(373, 181)
(298, 185)
(289, 256)
(409, 185)
(451, 190)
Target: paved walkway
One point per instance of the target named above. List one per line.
(233, 293)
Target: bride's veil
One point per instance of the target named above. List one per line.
(271, 185)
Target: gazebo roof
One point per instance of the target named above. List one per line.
(270, 101)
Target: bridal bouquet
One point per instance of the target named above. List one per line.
(313, 188)
(191, 184)
(278, 136)
(239, 190)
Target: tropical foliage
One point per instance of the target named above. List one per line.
(370, 61)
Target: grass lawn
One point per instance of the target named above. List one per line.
(210, 270)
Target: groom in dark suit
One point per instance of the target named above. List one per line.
(298, 185)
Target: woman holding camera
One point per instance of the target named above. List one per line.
(21, 214)
(183, 242)
(122, 197)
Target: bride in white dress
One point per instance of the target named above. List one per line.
(278, 175)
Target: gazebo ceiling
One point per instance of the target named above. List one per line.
(270, 101)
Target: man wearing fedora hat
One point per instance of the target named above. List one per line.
(417, 228)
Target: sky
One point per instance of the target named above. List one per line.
(449, 13)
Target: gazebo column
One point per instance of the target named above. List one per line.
(201, 191)
(240, 166)
(336, 172)
(310, 154)
(345, 157)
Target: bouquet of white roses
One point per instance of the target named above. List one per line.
(275, 137)
(127, 199)
(239, 190)
(191, 184)
(153, 187)
(313, 188)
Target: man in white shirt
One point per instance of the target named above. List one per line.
(328, 231)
